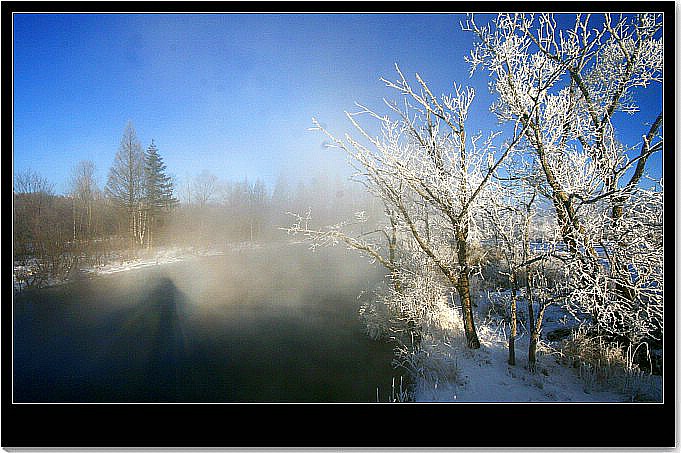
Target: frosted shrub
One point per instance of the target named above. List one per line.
(607, 365)
(439, 363)
(421, 307)
(493, 273)
(433, 360)
(497, 307)
(399, 392)
(374, 316)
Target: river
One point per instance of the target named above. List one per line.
(276, 324)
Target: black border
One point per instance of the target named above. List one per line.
(191, 426)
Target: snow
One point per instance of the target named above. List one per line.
(145, 259)
(448, 371)
(484, 375)
(158, 257)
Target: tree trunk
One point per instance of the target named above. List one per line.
(392, 257)
(463, 287)
(150, 240)
(532, 352)
(138, 227)
(132, 230)
(89, 220)
(514, 323)
(74, 220)
(532, 349)
(464, 290)
(427, 225)
(534, 339)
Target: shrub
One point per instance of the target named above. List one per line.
(603, 364)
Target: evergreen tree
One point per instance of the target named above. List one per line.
(158, 190)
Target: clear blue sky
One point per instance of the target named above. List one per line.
(233, 94)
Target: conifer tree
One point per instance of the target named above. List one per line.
(158, 190)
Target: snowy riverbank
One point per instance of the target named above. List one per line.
(448, 371)
(143, 259)
(484, 375)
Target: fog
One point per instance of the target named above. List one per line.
(214, 211)
(250, 314)
(273, 324)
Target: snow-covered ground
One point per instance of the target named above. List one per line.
(144, 259)
(484, 375)
(451, 372)
(154, 258)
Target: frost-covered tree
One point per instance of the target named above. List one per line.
(526, 252)
(125, 182)
(566, 79)
(509, 216)
(432, 176)
(379, 242)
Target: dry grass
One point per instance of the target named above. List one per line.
(608, 365)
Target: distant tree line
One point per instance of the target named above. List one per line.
(139, 207)
(55, 235)
(213, 212)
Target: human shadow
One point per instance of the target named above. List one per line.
(145, 358)
(167, 354)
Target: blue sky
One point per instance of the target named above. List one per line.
(233, 94)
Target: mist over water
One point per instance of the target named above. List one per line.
(273, 324)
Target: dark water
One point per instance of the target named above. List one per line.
(275, 325)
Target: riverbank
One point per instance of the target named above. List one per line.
(122, 262)
(448, 371)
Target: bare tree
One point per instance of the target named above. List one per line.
(41, 230)
(204, 188)
(124, 184)
(29, 181)
(33, 195)
(83, 190)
